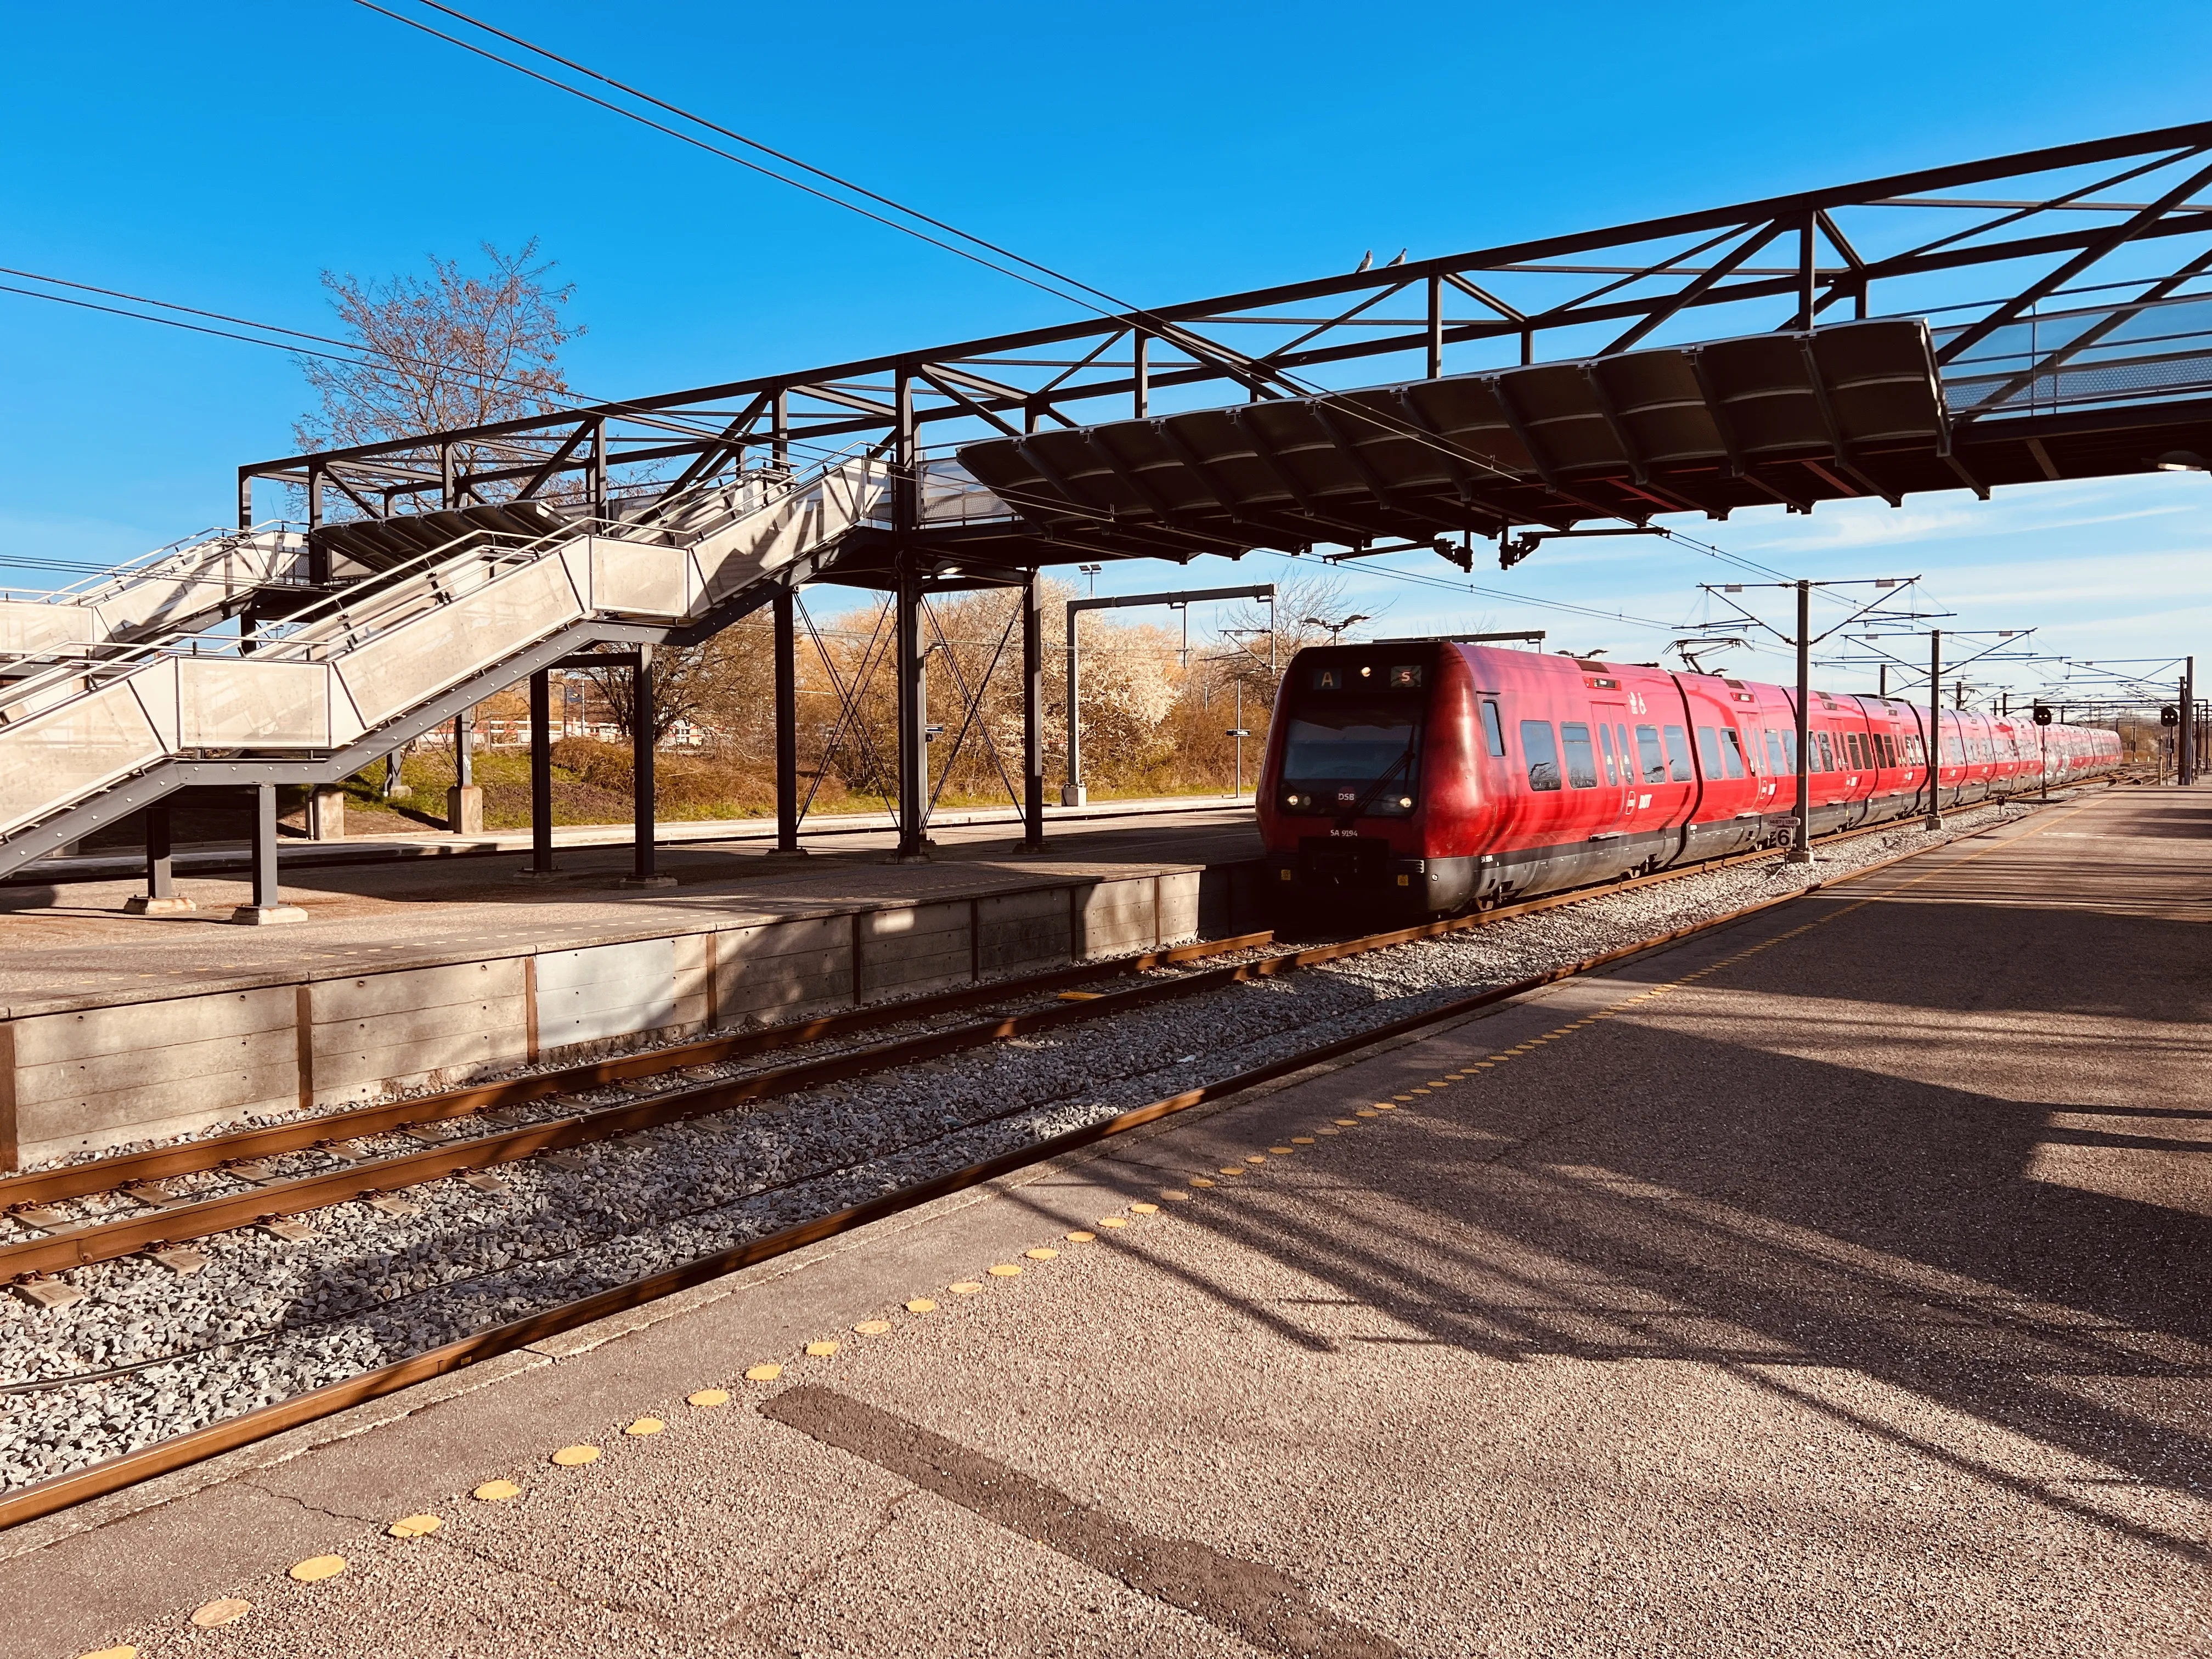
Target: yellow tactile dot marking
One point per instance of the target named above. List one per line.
(1410, 1095)
(1199, 1181)
(965, 1287)
(878, 1327)
(714, 1396)
(1281, 1151)
(1386, 1106)
(1255, 1157)
(1080, 1239)
(1363, 1111)
(316, 1567)
(1346, 1122)
(1439, 1082)
(823, 1349)
(921, 1304)
(210, 1615)
(645, 1426)
(1144, 1209)
(1179, 1196)
(1003, 1270)
(574, 1457)
(415, 1526)
(126, 1651)
(764, 1373)
(1232, 1169)
(1040, 1254)
(496, 1492)
(1396, 1097)
(1113, 1221)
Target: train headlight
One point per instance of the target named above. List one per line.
(1405, 800)
(1292, 800)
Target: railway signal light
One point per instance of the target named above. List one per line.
(2042, 714)
(2169, 716)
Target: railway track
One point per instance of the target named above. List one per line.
(163, 1225)
(466, 1132)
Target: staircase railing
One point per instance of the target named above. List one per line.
(345, 665)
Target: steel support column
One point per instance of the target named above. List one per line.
(541, 774)
(643, 815)
(913, 712)
(787, 722)
(1032, 839)
(268, 906)
(907, 614)
(161, 897)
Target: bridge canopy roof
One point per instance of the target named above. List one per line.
(1788, 418)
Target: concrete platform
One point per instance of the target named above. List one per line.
(431, 973)
(1834, 1283)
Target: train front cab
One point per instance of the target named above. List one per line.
(1370, 776)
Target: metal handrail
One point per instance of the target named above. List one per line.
(297, 637)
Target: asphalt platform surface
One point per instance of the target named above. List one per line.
(1834, 1282)
(68, 943)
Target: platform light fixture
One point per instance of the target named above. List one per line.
(2181, 460)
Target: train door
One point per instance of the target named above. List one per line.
(1616, 769)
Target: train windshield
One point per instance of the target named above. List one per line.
(1354, 742)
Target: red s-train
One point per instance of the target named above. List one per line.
(1441, 776)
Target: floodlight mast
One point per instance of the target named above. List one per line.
(1073, 793)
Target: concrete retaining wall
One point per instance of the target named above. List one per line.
(102, 1077)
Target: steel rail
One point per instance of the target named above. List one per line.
(169, 1223)
(195, 1446)
(301, 1134)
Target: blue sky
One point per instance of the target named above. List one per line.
(224, 156)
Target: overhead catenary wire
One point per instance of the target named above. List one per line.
(1113, 308)
(1196, 346)
(356, 355)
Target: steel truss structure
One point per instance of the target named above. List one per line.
(2061, 294)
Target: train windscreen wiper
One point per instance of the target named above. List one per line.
(1358, 808)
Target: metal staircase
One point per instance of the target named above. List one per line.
(142, 702)
(191, 584)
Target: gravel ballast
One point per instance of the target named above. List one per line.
(265, 1318)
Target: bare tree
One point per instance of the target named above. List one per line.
(454, 348)
(1276, 633)
(724, 676)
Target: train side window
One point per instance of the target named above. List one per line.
(1582, 760)
(1827, 755)
(1605, 752)
(1709, 751)
(1678, 755)
(1649, 752)
(1858, 761)
(1732, 751)
(1493, 728)
(1627, 754)
(1541, 750)
(1888, 748)
(1778, 763)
